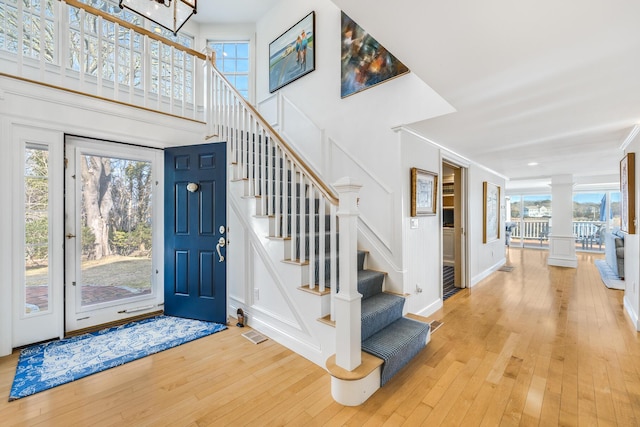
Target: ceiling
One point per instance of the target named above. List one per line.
(231, 11)
(551, 82)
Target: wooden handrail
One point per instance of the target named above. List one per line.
(324, 188)
(122, 23)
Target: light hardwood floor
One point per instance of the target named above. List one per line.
(536, 346)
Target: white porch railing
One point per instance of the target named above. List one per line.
(586, 233)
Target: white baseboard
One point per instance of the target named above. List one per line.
(486, 273)
(632, 313)
(431, 308)
(571, 262)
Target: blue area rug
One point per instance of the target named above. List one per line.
(609, 278)
(47, 365)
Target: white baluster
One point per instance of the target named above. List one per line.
(302, 220)
(333, 260)
(322, 252)
(286, 207)
(312, 236)
(278, 193)
(294, 211)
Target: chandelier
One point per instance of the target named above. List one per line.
(170, 14)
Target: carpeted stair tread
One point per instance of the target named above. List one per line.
(397, 344)
(379, 311)
(370, 283)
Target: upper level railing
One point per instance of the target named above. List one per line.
(71, 45)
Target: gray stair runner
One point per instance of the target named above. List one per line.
(385, 332)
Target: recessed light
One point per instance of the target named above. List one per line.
(532, 164)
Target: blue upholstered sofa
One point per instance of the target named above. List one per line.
(614, 251)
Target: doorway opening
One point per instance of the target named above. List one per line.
(454, 247)
(112, 232)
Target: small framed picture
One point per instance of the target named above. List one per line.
(490, 212)
(424, 189)
(292, 54)
(628, 193)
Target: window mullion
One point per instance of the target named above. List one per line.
(116, 61)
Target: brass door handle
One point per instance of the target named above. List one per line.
(221, 243)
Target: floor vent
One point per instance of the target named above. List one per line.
(435, 324)
(254, 337)
(508, 268)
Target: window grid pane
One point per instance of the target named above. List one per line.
(90, 37)
(36, 235)
(232, 59)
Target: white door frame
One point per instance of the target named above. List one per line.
(461, 236)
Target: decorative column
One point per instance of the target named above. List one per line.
(347, 301)
(562, 246)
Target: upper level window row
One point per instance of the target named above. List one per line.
(96, 46)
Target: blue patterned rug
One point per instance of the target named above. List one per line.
(48, 365)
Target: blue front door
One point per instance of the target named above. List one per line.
(195, 232)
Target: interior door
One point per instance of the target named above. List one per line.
(195, 232)
(112, 226)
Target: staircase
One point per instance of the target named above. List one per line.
(301, 213)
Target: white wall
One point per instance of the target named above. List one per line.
(422, 245)
(484, 258)
(352, 136)
(38, 107)
(355, 136)
(422, 248)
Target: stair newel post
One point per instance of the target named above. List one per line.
(348, 299)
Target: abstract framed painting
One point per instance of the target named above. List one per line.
(292, 54)
(364, 62)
